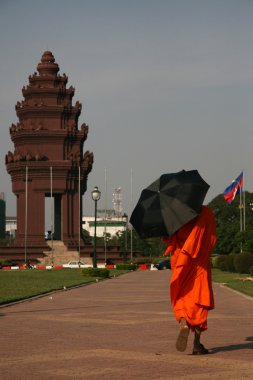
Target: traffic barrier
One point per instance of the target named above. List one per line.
(40, 267)
(48, 267)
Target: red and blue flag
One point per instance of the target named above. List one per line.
(235, 188)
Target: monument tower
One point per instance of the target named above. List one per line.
(48, 158)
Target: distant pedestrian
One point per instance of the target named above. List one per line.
(29, 265)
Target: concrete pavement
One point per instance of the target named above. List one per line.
(122, 329)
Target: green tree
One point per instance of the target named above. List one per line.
(86, 236)
(229, 237)
(152, 247)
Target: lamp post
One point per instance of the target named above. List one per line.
(125, 219)
(95, 194)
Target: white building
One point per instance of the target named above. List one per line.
(109, 226)
(11, 225)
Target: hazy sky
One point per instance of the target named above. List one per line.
(165, 85)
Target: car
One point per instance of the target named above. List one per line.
(75, 264)
(163, 264)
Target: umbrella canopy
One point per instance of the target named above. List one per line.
(169, 203)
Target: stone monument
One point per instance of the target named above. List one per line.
(48, 158)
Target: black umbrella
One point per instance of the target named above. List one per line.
(169, 203)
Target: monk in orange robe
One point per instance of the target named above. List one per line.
(190, 286)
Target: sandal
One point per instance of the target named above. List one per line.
(200, 351)
(182, 338)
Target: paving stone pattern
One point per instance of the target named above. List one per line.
(122, 329)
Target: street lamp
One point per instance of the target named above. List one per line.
(95, 194)
(125, 219)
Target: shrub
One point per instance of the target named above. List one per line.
(123, 266)
(243, 262)
(230, 262)
(221, 262)
(96, 272)
(214, 261)
(4, 262)
(158, 259)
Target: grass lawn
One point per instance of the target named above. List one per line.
(18, 285)
(234, 281)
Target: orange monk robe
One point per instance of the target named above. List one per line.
(190, 286)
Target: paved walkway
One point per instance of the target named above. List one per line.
(122, 329)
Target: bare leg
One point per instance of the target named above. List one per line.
(183, 323)
(197, 334)
(198, 348)
(182, 338)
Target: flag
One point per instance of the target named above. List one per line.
(235, 188)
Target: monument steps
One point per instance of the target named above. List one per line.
(59, 254)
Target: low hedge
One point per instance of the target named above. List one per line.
(220, 262)
(156, 260)
(225, 262)
(234, 262)
(231, 262)
(243, 262)
(126, 266)
(96, 272)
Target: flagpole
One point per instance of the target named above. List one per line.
(241, 206)
(242, 209)
(26, 185)
(131, 231)
(244, 206)
(105, 217)
(52, 214)
(229, 195)
(80, 214)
